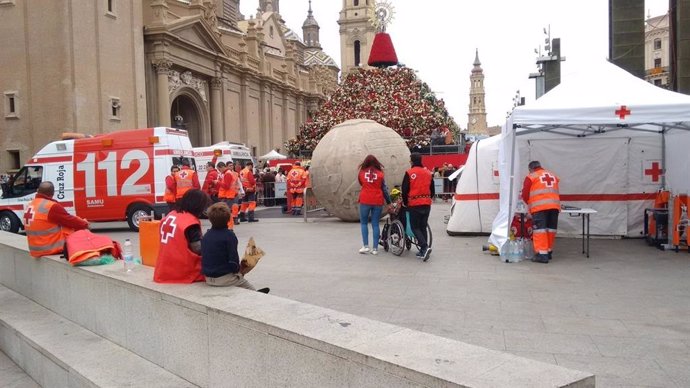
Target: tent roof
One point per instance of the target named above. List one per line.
(272, 156)
(604, 94)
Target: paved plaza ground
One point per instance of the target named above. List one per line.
(623, 314)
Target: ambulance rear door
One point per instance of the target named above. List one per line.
(113, 171)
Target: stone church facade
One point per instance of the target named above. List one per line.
(103, 65)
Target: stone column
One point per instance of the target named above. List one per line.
(162, 67)
(217, 132)
(286, 109)
(244, 106)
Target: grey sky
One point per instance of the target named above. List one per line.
(438, 39)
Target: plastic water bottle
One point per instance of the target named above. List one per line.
(527, 250)
(127, 256)
(517, 253)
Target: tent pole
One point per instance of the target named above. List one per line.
(663, 156)
(512, 177)
(669, 223)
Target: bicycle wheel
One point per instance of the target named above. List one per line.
(429, 237)
(396, 238)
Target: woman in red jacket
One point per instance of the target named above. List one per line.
(371, 199)
(179, 256)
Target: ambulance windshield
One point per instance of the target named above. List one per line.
(23, 183)
(177, 161)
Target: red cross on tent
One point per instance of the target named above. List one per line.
(168, 228)
(370, 176)
(623, 111)
(548, 180)
(28, 216)
(654, 170)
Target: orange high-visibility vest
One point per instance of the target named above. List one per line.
(227, 192)
(543, 193)
(185, 181)
(44, 237)
(420, 183)
(248, 181)
(295, 180)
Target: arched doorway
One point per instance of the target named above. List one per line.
(185, 114)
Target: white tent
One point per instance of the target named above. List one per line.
(597, 130)
(475, 204)
(273, 155)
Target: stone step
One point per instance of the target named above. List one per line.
(56, 352)
(12, 376)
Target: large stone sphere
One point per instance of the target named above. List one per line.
(335, 161)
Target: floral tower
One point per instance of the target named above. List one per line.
(391, 95)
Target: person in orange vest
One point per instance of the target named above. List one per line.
(541, 194)
(229, 188)
(179, 256)
(170, 188)
(249, 200)
(185, 180)
(225, 184)
(417, 192)
(210, 185)
(47, 223)
(235, 171)
(296, 184)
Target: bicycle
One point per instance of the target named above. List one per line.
(395, 237)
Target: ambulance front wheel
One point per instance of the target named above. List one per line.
(136, 214)
(9, 222)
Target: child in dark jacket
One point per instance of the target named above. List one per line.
(220, 262)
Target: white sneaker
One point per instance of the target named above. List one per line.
(364, 250)
(374, 252)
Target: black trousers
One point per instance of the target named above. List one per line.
(419, 219)
(545, 219)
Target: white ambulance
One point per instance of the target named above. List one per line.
(224, 151)
(110, 177)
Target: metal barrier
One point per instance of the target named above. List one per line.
(444, 188)
(311, 204)
(271, 194)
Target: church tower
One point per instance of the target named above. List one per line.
(310, 30)
(476, 118)
(356, 34)
(275, 5)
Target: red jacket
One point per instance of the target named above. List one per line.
(210, 187)
(176, 263)
(418, 186)
(371, 180)
(59, 215)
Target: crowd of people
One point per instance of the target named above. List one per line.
(444, 172)
(187, 255)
